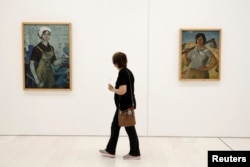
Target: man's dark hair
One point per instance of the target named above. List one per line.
(200, 35)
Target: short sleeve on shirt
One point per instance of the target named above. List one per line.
(122, 78)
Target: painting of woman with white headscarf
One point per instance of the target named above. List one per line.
(45, 56)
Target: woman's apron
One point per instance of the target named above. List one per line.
(44, 71)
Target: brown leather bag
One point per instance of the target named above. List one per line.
(126, 118)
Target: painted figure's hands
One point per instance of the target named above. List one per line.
(59, 62)
(204, 68)
(38, 82)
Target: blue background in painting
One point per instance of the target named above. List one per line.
(188, 36)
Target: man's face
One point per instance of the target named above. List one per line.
(200, 40)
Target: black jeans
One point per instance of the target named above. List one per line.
(133, 138)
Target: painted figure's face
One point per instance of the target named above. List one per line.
(46, 35)
(200, 41)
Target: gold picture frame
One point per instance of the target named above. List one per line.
(200, 54)
(47, 56)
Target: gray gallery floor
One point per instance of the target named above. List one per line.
(82, 151)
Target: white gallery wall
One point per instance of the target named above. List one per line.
(148, 32)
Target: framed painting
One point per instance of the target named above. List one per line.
(200, 54)
(46, 56)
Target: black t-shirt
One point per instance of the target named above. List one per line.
(125, 77)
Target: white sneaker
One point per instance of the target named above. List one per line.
(131, 157)
(106, 154)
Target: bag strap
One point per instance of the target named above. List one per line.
(133, 103)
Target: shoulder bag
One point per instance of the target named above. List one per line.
(127, 118)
